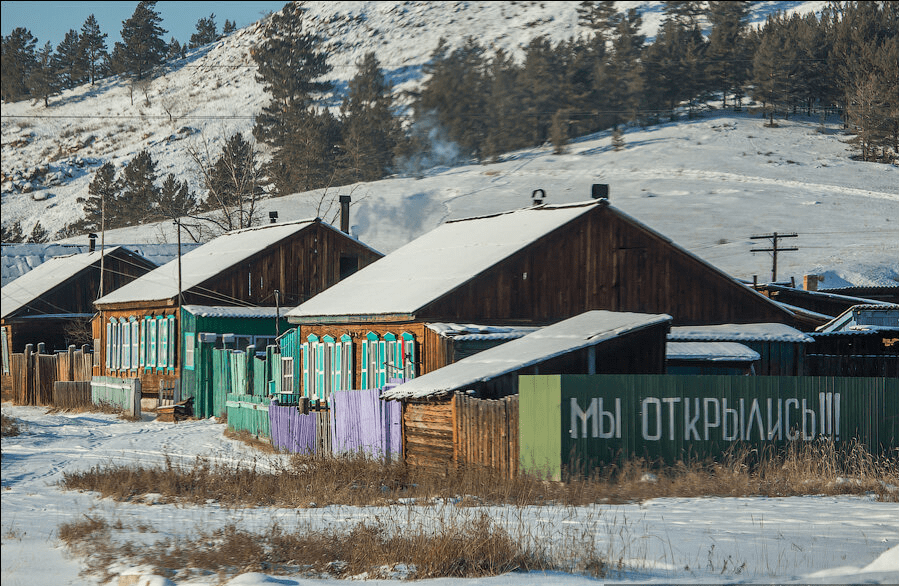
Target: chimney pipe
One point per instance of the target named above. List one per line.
(600, 191)
(93, 242)
(273, 217)
(811, 282)
(345, 213)
(538, 196)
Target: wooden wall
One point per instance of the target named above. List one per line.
(299, 267)
(428, 434)
(602, 260)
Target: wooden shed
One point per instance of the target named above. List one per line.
(138, 326)
(862, 341)
(781, 348)
(54, 302)
(595, 342)
(527, 267)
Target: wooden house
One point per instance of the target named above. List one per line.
(595, 342)
(54, 302)
(277, 264)
(813, 308)
(781, 348)
(205, 328)
(527, 267)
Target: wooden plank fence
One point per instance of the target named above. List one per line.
(35, 373)
(72, 394)
(486, 433)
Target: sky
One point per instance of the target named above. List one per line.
(50, 21)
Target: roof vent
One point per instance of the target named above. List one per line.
(600, 191)
(273, 217)
(538, 196)
(345, 214)
(93, 242)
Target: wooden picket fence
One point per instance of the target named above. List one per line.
(72, 394)
(486, 433)
(35, 373)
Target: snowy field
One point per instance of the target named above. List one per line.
(812, 539)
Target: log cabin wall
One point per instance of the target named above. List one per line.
(428, 435)
(602, 260)
(299, 267)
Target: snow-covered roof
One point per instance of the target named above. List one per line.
(239, 312)
(434, 264)
(863, 318)
(764, 332)
(581, 331)
(203, 263)
(710, 351)
(19, 258)
(473, 332)
(40, 280)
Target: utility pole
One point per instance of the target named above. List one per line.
(774, 237)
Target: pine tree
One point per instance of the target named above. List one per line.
(506, 129)
(174, 199)
(370, 131)
(137, 190)
(290, 65)
(93, 41)
(70, 61)
(100, 210)
(142, 47)
(17, 62)
(624, 70)
(727, 46)
(43, 83)
(228, 28)
(176, 50)
(617, 139)
(232, 182)
(12, 234)
(38, 234)
(207, 32)
(601, 17)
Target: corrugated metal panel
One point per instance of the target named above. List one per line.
(605, 418)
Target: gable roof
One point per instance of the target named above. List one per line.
(863, 318)
(425, 270)
(437, 262)
(205, 262)
(587, 329)
(48, 275)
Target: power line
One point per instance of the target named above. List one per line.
(774, 237)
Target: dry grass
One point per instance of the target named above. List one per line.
(381, 548)
(811, 468)
(97, 408)
(9, 426)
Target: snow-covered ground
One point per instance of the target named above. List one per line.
(812, 539)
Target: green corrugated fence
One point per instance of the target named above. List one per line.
(583, 421)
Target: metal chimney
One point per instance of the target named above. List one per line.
(345, 213)
(538, 196)
(92, 238)
(273, 217)
(600, 191)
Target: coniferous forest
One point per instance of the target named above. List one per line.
(840, 64)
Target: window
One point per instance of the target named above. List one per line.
(287, 375)
(171, 350)
(4, 339)
(135, 343)
(125, 342)
(410, 356)
(162, 345)
(143, 342)
(189, 350)
(327, 365)
(151, 336)
(109, 345)
(374, 362)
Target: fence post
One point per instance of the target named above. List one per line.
(71, 367)
(135, 397)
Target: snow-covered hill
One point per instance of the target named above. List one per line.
(708, 184)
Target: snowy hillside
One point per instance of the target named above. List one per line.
(708, 184)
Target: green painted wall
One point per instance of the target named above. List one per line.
(607, 418)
